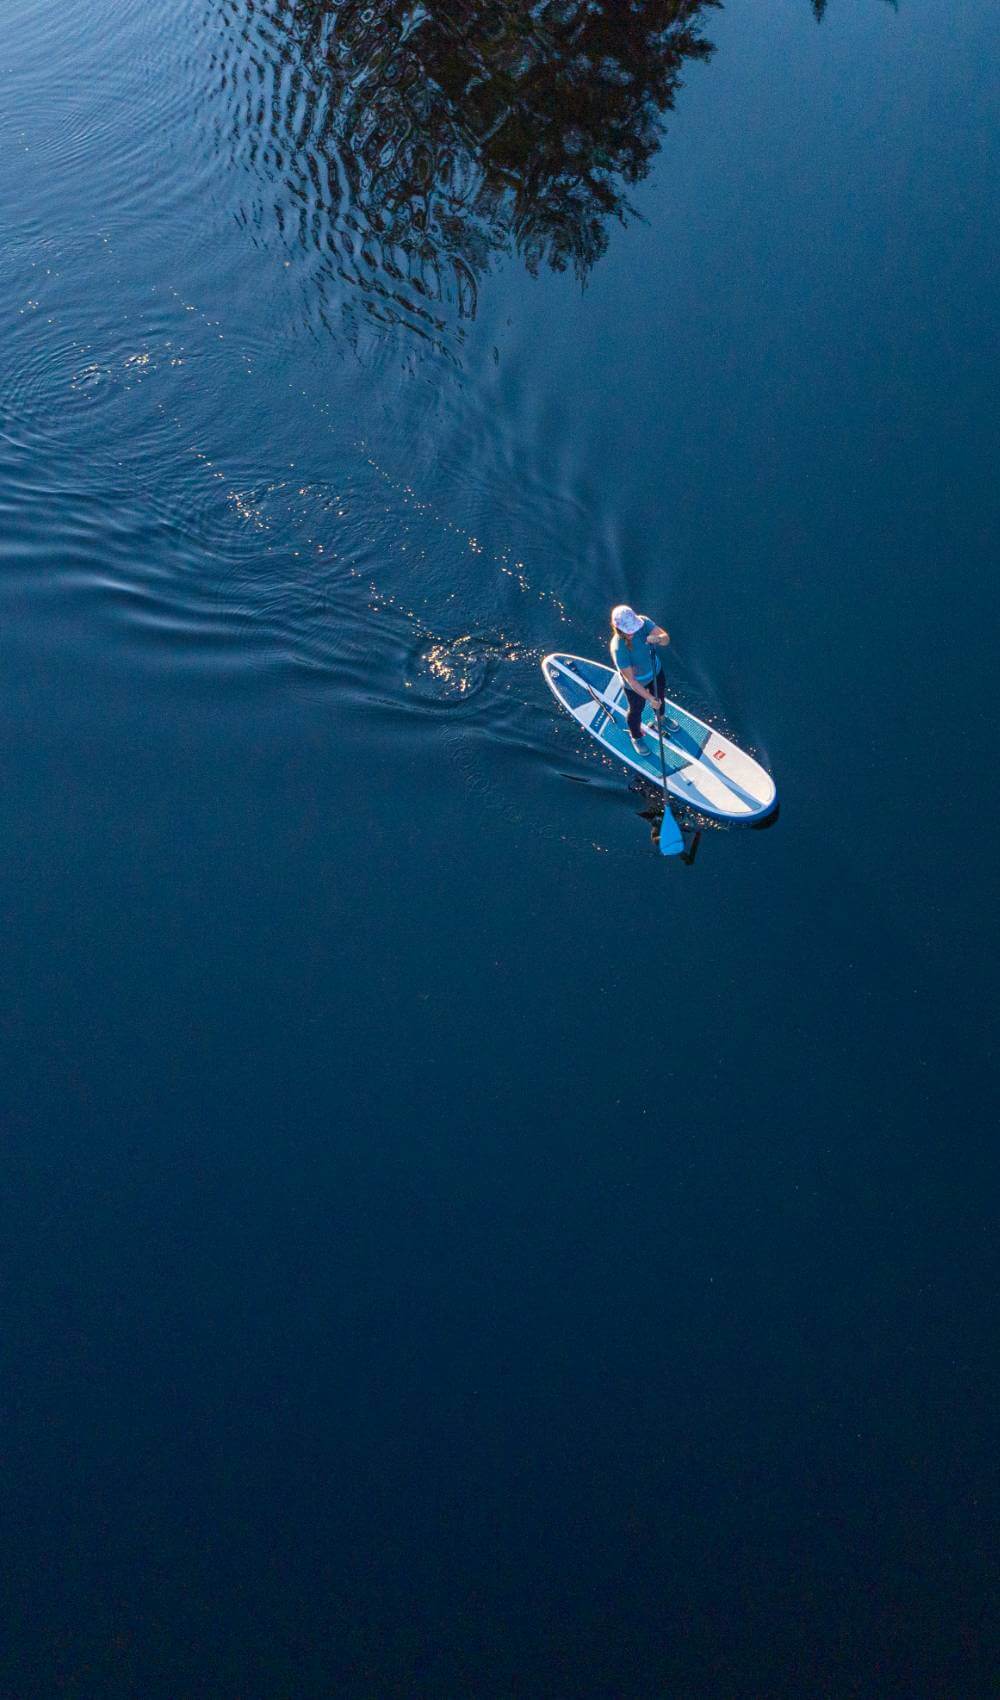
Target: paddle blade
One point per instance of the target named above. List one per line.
(671, 836)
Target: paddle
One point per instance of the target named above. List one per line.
(671, 836)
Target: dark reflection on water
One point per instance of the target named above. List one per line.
(819, 8)
(415, 142)
(409, 144)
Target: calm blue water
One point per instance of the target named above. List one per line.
(450, 1251)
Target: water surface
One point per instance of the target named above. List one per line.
(449, 1250)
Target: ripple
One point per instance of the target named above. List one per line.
(447, 671)
(71, 128)
(55, 380)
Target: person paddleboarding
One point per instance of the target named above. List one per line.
(634, 642)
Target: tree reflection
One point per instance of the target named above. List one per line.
(419, 138)
(819, 8)
(411, 141)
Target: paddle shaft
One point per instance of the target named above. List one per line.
(667, 811)
(663, 759)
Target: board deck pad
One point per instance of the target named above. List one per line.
(704, 769)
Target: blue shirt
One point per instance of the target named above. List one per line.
(644, 659)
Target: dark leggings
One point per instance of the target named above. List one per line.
(636, 703)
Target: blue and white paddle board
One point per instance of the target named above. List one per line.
(704, 769)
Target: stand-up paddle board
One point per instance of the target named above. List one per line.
(704, 769)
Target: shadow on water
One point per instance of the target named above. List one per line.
(692, 824)
(655, 814)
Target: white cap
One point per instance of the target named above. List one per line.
(625, 619)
